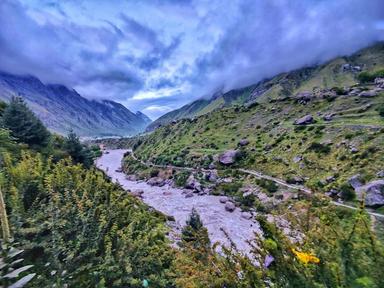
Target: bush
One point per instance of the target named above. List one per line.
(347, 192)
(181, 178)
(268, 185)
(366, 77)
(381, 110)
(319, 148)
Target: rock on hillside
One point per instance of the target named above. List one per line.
(62, 109)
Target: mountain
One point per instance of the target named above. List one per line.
(62, 109)
(319, 127)
(339, 72)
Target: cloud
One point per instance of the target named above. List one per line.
(154, 110)
(161, 54)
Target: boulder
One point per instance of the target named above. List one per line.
(246, 215)
(307, 119)
(137, 193)
(353, 150)
(328, 117)
(355, 91)
(297, 159)
(304, 96)
(243, 142)
(192, 183)
(228, 157)
(223, 199)
(156, 181)
(368, 94)
(229, 206)
(374, 193)
(355, 181)
(330, 179)
(212, 176)
(379, 82)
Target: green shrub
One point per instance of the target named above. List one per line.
(268, 185)
(381, 110)
(366, 77)
(319, 148)
(347, 192)
(181, 178)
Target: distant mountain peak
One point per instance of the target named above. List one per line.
(62, 108)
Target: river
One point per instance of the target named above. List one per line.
(171, 201)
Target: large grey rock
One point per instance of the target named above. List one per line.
(212, 176)
(192, 183)
(246, 215)
(304, 96)
(228, 157)
(374, 193)
(156, 181)
(307, 119)
(230, 207)
(379, 82)
(328, 117)
(243, 142)
(355, 181)
(368, 94)
(223, 199)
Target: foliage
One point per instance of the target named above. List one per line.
(347, 192)
(79, 152)
(365, 77)
(82, 224)
(12, 272)
(23, 124)
(380, 109)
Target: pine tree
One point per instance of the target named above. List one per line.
(23, 124)
(195, 234)
(78, 152)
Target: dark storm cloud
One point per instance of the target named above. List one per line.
(270, 37)
(158, 55)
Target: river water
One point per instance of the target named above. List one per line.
(172, 202)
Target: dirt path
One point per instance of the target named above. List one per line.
(171, 201)
(262, 176)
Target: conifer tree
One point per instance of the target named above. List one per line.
(195, 234)
(23, 124)
(78, 152)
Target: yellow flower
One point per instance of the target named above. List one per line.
(305, 257)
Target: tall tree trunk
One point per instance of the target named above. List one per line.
(4, 219)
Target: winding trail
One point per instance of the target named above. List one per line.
(171, 201)
(261, 176)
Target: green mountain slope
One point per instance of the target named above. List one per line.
(339, 72)
(341, 134)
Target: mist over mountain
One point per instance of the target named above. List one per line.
(158, 56)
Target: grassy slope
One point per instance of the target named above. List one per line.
(275, 141)
(327, 75)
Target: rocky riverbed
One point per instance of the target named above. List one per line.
(171, 201)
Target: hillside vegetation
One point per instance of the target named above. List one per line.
(336, 73)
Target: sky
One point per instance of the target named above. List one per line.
(157, 55)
